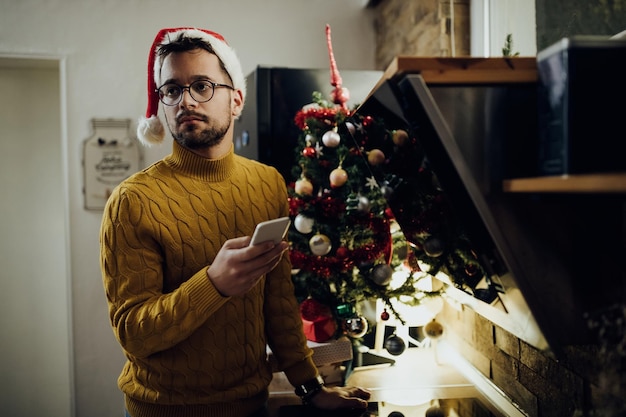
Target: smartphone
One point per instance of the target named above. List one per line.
(274, 230)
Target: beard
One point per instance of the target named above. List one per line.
(193, 138)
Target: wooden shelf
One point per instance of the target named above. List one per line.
(589, 183)
(463, 70)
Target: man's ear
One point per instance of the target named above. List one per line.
(237, 103)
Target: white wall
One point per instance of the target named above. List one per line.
(106, 44)
(35, 349)
(493, 20)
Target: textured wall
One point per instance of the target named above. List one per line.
(422, 28)
(557, 19)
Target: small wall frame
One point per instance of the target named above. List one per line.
(110, 156)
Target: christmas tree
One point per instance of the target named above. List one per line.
(346, 246)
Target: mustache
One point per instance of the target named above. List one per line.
(188, 114)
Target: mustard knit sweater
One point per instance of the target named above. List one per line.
(190, 351)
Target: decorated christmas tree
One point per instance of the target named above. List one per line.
(346, 247)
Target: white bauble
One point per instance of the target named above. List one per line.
(331, 139)
(303, 224)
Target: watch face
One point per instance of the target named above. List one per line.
(310, 386)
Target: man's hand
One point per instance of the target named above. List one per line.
(238, 266)
(333, 398)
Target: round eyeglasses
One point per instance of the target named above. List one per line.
(201, 91)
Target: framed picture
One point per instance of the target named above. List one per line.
(110, 156)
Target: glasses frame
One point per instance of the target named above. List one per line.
(188, 88)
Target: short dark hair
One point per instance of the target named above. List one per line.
(185, 43)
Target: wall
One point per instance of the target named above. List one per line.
(452, 28)
(493, 20)
(34, 301)
(557, 19)
(425, 28)
(105, 46)
(581, 380)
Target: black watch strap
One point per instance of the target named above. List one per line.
(308, 390)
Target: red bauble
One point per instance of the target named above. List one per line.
(471, 269)
(309, 152)
(342, 252)
(384, 316)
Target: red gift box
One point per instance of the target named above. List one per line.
(320, 330)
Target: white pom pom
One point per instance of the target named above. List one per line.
(150, 131)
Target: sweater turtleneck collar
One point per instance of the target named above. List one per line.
(194, 165)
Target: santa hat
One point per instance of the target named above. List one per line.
(150, 129)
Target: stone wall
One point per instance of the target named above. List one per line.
(421, 28)
(542, 384)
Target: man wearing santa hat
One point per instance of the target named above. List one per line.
(192, 304)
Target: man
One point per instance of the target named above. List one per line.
(192, 304)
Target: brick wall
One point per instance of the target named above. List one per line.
(581, 381)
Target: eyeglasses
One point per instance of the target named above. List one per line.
(201, 91)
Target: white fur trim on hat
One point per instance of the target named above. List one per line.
(150, 129)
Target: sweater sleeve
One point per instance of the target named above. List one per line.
(144, 319)
(283, 322)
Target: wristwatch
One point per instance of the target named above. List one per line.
(309, 389)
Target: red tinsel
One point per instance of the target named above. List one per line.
(311, 309)
(325, 266)
(295, 205)
(328, 206)
(322, 114)
(331, 207)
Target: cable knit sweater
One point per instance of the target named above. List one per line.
(192, 352)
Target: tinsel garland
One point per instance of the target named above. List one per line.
(321, 115)
(328, 206)
(349, 258)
